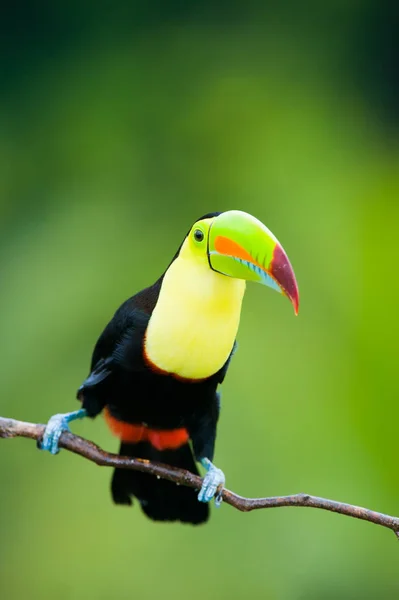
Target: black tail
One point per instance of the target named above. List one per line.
(161, 500)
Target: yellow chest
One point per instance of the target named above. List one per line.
(193, 327)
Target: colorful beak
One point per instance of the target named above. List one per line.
(240, 246)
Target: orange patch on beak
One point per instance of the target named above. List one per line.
(224, 245)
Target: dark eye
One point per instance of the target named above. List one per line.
(198, 235)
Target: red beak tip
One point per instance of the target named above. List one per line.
(282, 271)
(295, 302)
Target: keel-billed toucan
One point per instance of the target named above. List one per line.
(157, 365)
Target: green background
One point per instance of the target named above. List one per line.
(122, 123)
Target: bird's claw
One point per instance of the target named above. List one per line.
(218, 495)
(51, 437)
(212, 485)
(54, 428)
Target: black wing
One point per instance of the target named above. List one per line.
(129, 323)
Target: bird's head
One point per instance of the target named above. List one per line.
(238, 245)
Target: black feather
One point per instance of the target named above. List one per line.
(161, 500)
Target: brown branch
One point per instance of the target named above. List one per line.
(12, 428)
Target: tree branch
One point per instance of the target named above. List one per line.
(11, 428)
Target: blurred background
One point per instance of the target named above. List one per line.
(120, 124)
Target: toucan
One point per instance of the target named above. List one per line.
(156, 367)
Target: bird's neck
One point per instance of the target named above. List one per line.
(192, 329)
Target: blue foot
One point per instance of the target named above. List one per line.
(213, 483)
(56, 425)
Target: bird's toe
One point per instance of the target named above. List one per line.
(213, 484)
(54, 428)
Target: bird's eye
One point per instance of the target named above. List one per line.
(198, 235)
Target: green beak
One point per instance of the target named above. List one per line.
(242, 247)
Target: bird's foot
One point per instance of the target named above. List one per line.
(56, 425)
(213, 483)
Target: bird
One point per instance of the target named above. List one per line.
(157, 366)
